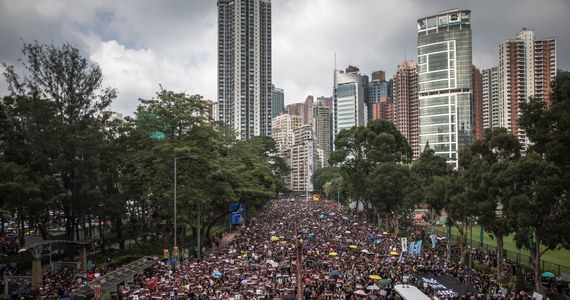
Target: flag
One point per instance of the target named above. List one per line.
(400, 258)
(433, 240)
(411, 248)
(418, 247)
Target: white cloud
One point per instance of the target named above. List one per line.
(140, 44)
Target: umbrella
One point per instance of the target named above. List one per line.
(388, 259)
(364, 251)
(333, 253)
(308, 247)
(353, 246)
(216, 274)
(322, 217)
(548, 274)
(336, 273)
(377, 241)
(384, 281)
(375, 277)
(273, 238)
(360, 292)
(394, 253)
(332, 246)
(341, 246)
(373, 287)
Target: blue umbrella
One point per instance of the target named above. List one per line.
(378, 241)
(322, 217)
(311, 235)
(336, 273)
(216, 274)
(548, 274)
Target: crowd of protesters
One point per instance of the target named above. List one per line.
(306, 250)
(323, 250)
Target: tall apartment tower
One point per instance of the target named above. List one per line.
(490, 96)
(445, 82)
(244, 66)
(349, 99)
(527, 66)
(277, 101)
(406, 103)
(477, 104)
(322, 125)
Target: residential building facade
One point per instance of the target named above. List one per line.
(527, 66)
(244, 66)
(406, 105)
(490, 94)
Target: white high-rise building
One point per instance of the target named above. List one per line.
(244, 66)
(527, 66)
(445, 83)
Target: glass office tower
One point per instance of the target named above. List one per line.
(445, 82)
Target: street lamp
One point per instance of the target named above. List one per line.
(175, 217)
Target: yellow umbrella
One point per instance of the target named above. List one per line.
(283, 242)
(333, 253)
(394, 253)
(274, 238)
(244, 255)
(375, 277)
(353, 246)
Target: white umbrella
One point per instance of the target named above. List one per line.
(373, 287)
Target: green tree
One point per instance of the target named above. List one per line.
(490, 157)
(323, 176)
(359, 149)
(426, 167)
(391, 192)
(539, 206)
(73, 88)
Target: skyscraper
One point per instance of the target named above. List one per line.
(527, 66)
(490, 98)
(277, 101)
(445, 82)
(477, 104)
(322, 129)
(244, 66)
(406, 103)
(377, 88)
(349, 99)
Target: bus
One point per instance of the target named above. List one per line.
(410, 292)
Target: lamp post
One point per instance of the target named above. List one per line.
(174, 200)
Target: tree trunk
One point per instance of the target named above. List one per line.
(535, 254)
(500, 252)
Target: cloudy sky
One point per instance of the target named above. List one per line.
(140, 44)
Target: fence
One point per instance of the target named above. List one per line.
(516, 256)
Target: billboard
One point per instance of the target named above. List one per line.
(237, 214)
